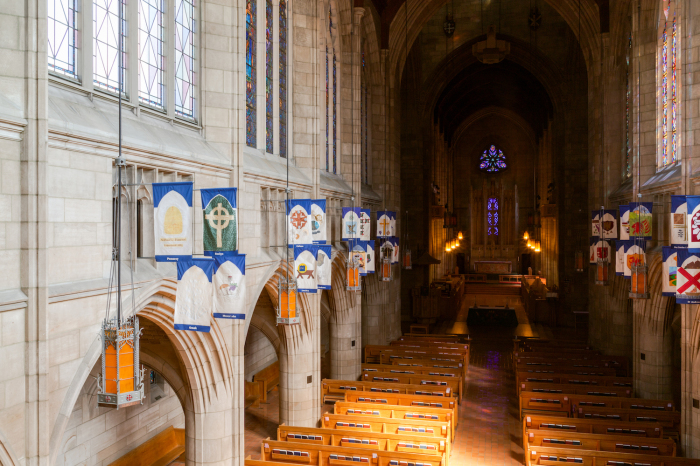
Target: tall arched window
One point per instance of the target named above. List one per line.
(628, 146)
(492, 219)
(668, 68)
(283, 78)
(269, 94)
(364, 122)
(331, 98)
(250, 72)
(62, 35)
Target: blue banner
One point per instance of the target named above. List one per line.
(324, 267)
(172, 221)
(693, 207)
(371, 262)
(383, 223)
(305, 269)
(318, 221)
(229, 286)
(688, 276)
(358, 252)
(679, 221)
(351, 223)
(299, 221)
(220, 220)
(621, 246)
(193, 300)
(641, 219)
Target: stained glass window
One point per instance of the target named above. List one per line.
(335, 140)
(151, 52)
(269, 129)
(184, 58)
(492, 216)
(283, 78)
(250, 72)
(364, 123)
(669, 85)
(105, 59)
(328, 109)
(492, 160)
(62, 34)
(628, 147)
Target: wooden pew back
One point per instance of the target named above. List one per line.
(387, 425)
(619, 363)
(565, 404)
(373, 354)
(579, 379)
(163, 448)
(451, 384)
(574, 389)
(556, 424)
(403, 400)
(443, 372)
(332, 390)
(555, 456)
(668, 419)
(601, 442)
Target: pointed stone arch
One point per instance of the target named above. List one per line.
(7, 455)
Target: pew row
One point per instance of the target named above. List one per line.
(368, 440)
(579, 379)
(578, 367)
(388, 425)
(669, 419)
(451, 384)
(397, 412)
(619, 363)
(330, 455)
(600, 442)
(334, 390)
(377, 354)
(591, 426)
(555, 456)
(414, 369)
(161, 450)
(565, 404)
(574, 389)
(403, 400)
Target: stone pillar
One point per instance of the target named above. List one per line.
(345, 341)
(690, 437)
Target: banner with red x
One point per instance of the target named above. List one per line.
(690, 280)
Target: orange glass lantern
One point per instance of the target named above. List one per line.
(639, 288)
(385, 272)
(526, 236)
(287, 300)
(407, 264)
(460, 235)
(353, 274)
(578, 261)
(121, 382)
(601, 272)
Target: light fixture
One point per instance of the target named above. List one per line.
(526, 236)
(578, 261)
(537, 246)
(460, 236)
(287, 300)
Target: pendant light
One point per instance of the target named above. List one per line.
(120, 382)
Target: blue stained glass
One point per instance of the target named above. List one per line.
(335, 141)
(492, 216)
(283, 78)
(250, 70)
(328, 167)
(269, 92)
(492, 160)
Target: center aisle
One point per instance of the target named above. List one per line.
(489, 432)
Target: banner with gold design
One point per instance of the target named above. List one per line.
(305, 269)
(299, 221)
(172, 221)
(641, 219)
(383, 224)
(635, 254)
(220, 220)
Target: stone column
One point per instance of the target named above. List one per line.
(345, 341)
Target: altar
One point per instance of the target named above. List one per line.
(493, 267)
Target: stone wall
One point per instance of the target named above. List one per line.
(259, 353)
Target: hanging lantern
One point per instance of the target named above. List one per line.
(601, 271)
(529, 243)
(537, 246)
(457, 243)
(353, 274)
(460, 236)
(526, 236)
(447, 247)
(121, 382)
(287, 300)
(407, 264)
(578, 261)
(385, 271)
(639, 288)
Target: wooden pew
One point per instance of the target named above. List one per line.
(591, 426)
(373, 354)
(452, 384)
(269, 377)
(371, 440)
(414, 369)
(440, 345)
(161, 450)
(330, 455)
(252, 394)
(669, 419)
(334, 390)
(436, 429)
(555, 456)
(397, 412)
(419, 328)
(617, 362)
(404, 400)
(434, 336)
(574, 389)
(559, 366)
(565, 404)
(579, 379)
(600, 442)
(388, 358)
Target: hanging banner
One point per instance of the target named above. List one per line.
(351, 223)
(172, 221)
(609, 224)
(324, 267)
(602, 250)
(305, 267)
(640, 219)
(624, 222)
(620, 257)
(693, 208)
(318, 221)
(679, 222)
(635, 254)
(298, 221)
(383, 224)
(395, 254)
(670, 265)
(392, 226)
(688, 276)
(370, 257)
(595, 223)
(365, 224)
(229, 286)
(193, 299)
(591, 253)
(358, 252)
(220, 222)
(386, 250)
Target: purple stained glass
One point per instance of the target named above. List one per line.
(62, 35)
(184, 58)
(674, 105)
(335, 141)
(328, 166)
(151, 52)
(283, 78)
(664, 98)
(105, 58)
(269, 92)
(250, 73)
(492, 216)
(492, 160)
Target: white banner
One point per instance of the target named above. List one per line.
(193, 298)
(229, 286)
(172, 221)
